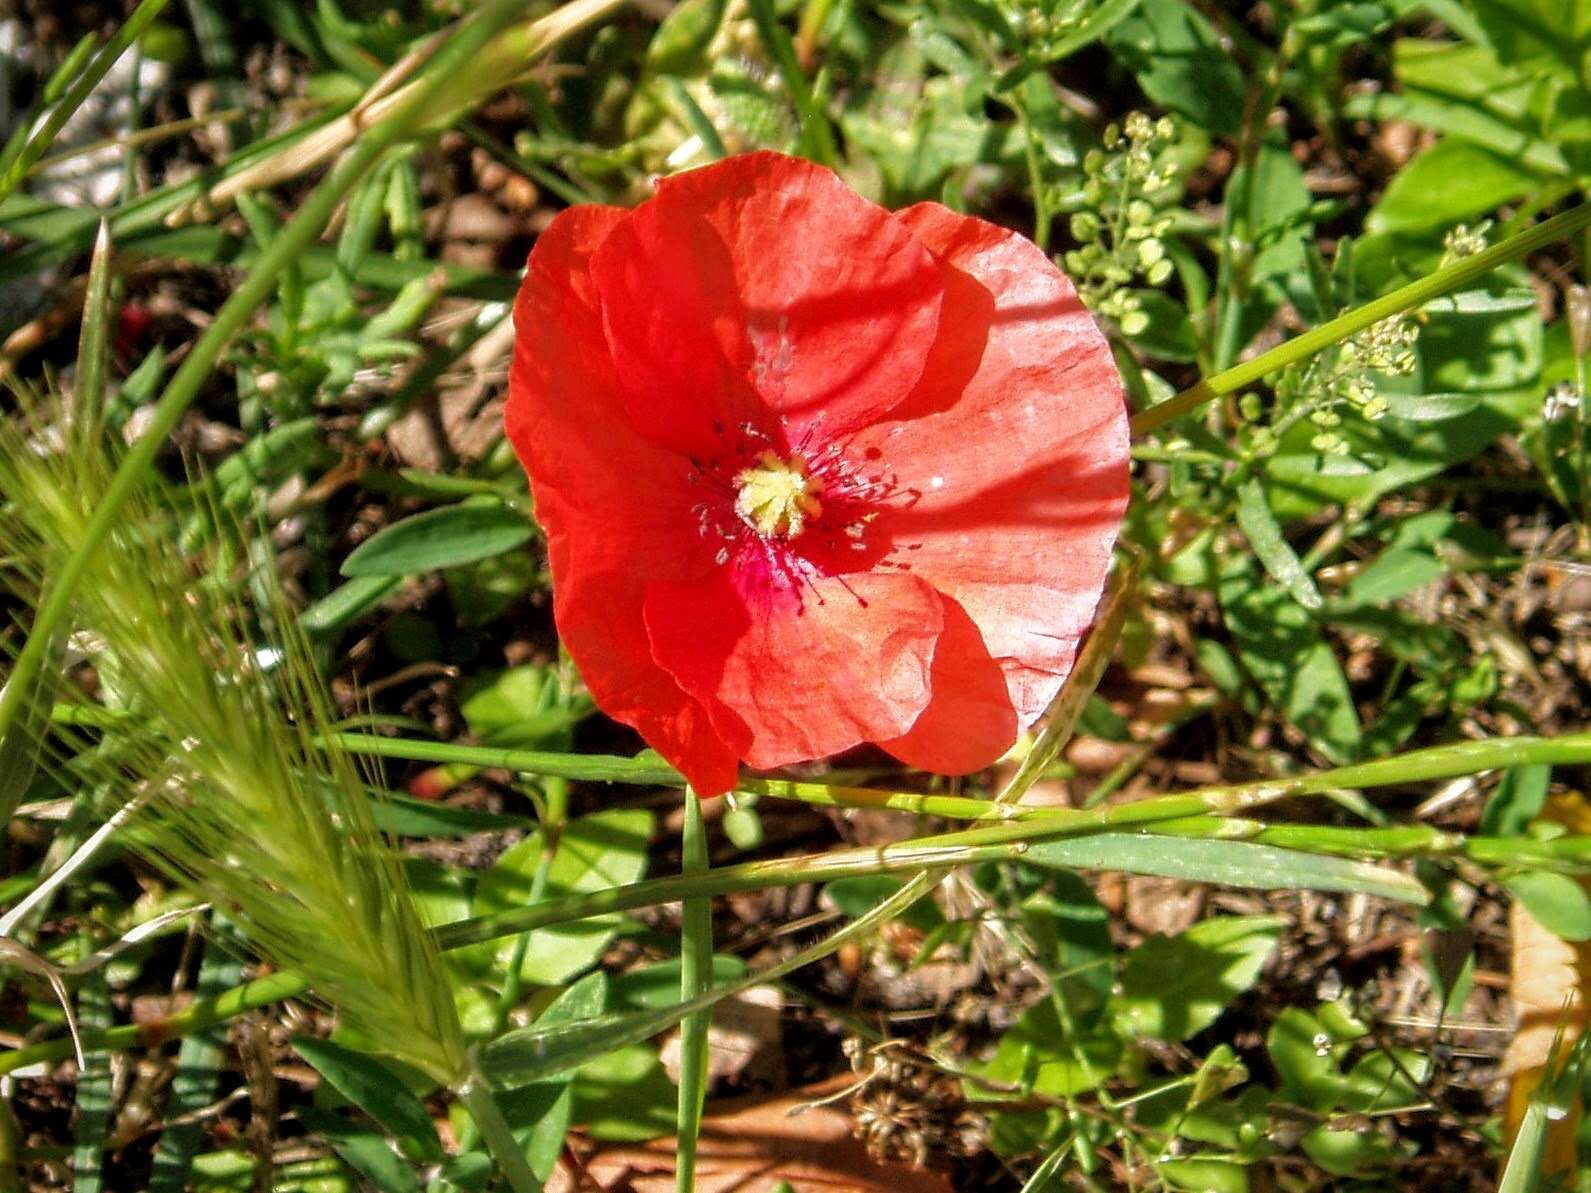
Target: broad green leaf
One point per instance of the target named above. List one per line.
(1429, 408)
(1265, 536)
(372, 1087)
(1036, 1053)
(1382, 1080)
(1558, 902)
(1449, 183)
(1348, 1152)
(1283, 648)
(586, 999)
(1173, 987)
(439, 538)
(625, 1094)
(1305, 1052)
(1552, 32)
(605, 849)
(1181, 64)
(1228, 863)
(540, 1115)
(1273, 204)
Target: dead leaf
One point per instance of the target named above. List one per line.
(750, 1146)
(1549, 978)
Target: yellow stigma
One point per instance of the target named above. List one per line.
(776, 497)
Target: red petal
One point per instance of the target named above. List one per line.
(845, 663)
(764, 283)
(969, 722)
(1022, 481)
(615, 507)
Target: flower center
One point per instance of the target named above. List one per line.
(776, 497)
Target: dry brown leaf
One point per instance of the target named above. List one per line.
(750, 1146)
(1549, 980)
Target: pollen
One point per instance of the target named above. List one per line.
(775, 497)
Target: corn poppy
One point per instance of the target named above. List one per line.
(811, 473)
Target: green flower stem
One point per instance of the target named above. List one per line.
(477, 1097)
(1417, 766)
(1405, 298)
(185, 386)
(695, 978)
(1002, 841)
(939, 853)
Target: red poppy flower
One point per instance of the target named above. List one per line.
(814, 474)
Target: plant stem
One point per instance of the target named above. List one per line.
(1415, 294)
(28, 152)
(695, 978)
(477, 1097)
(185, 386)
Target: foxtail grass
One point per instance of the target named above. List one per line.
(241, 803)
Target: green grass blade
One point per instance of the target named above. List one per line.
(93, 345)
(93, 1100)
(1230, 863)
(185, 386)
(198, 1077)
(44, 133)
(696, 976)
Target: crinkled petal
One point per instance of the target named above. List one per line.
(614, 506)
(970, 721)
(762, 289)
(846, 662)
(1010, 495)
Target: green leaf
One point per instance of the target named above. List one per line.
(1181, 63)
(605, 849)
(1449, 183)
(1558, 902)
(95, 1092)
(1554, 32)
(439, 538)
(1265, 537)
(364, 1150)
(197, 1080)
(1396, 572)
(1283, 648)
(1038, 1054)
(376, 1090)
(1517, 801)
(1174, 987)
(403, 816)
(1071, 932)
(1229, 863)
(855, 896)
(657, 986)
(625, 1094)
(1200, 1175)
(346, 604)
